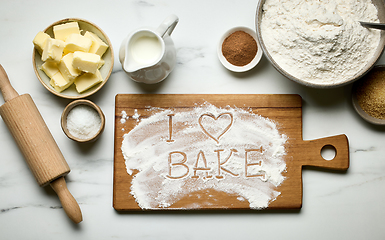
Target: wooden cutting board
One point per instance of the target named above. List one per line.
(284, 110)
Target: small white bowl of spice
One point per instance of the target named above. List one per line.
(83, 121)
(368, 95)
(239, 50)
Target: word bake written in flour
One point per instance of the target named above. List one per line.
(220, 168)
(214, 129)
(176, 152)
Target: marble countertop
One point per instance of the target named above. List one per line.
(336, 205)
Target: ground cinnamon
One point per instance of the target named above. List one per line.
(239, 48)
(370, 93)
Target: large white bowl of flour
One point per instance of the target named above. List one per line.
(320, 44)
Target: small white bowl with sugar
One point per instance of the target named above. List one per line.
(83, 121)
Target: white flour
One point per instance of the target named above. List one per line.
(124, 117)
(320, 41)
(136, 115)
(181, 152)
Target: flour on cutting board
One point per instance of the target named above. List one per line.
(175, 153)
(124, 117)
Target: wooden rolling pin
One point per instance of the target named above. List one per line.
(35, 141)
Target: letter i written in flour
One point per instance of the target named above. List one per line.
(170, 128)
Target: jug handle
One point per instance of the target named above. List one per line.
(168, 25)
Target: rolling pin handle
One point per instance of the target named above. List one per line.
(70, 206)
(5, 86)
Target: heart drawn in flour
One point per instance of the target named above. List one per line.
(215, 127)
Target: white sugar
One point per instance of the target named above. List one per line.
(83, 122)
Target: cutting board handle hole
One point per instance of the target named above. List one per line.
(328, 152)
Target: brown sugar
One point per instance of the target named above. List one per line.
(239, 48)
(370, 93)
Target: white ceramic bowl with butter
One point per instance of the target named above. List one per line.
(105, 70)
(379, 4)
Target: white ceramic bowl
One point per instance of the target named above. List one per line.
(381, 14)
(235, 68)
(105, 70)
(85, 102)
(356, 105)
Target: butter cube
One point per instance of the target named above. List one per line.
(40, 40)
(86, 62)
(53, 50)
(87, 81)
(50, 68)
(76, 42)
(66, 68)
(98, 46)
(101, 63)
(59, 82)
(62, 31)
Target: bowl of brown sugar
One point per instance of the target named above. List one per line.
(239, 50)
(368, 96)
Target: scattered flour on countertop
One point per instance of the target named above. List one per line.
(320, 41)
(179, 152)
